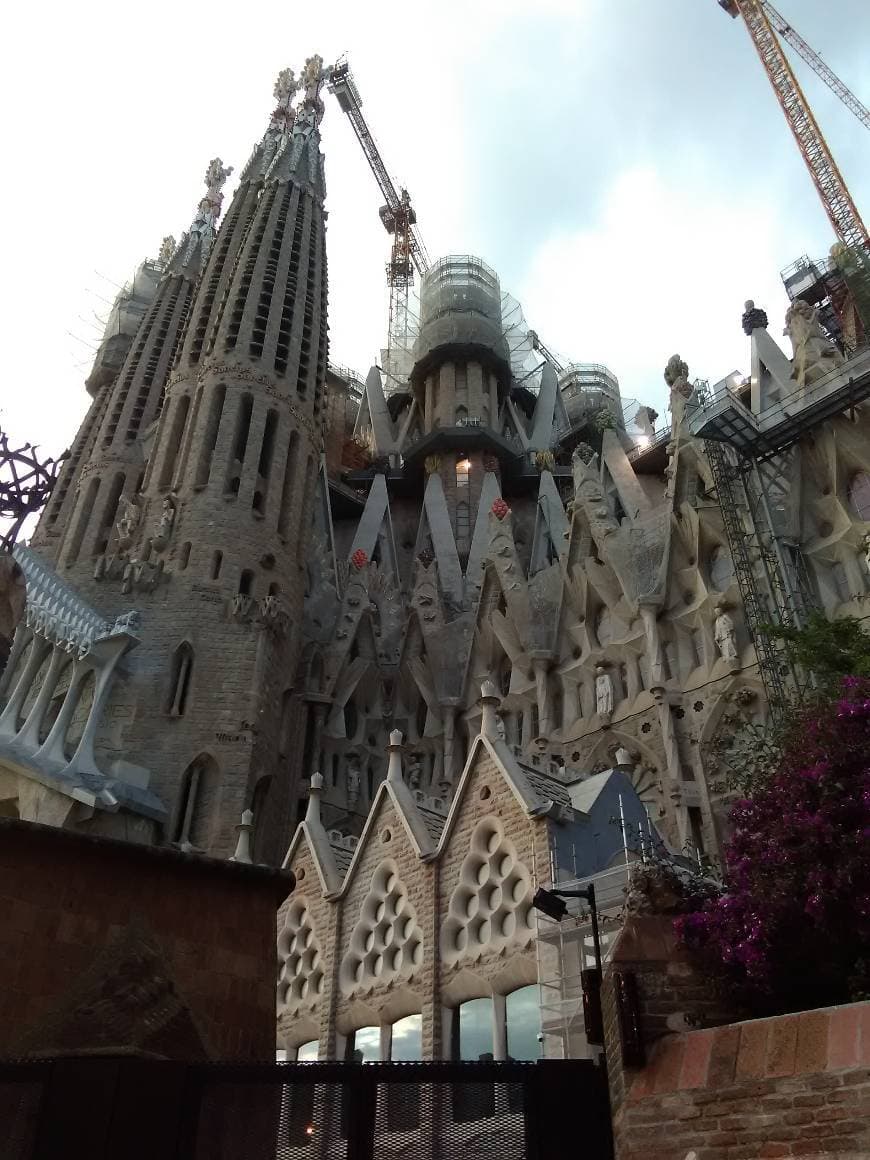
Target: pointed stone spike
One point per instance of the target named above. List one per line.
(243, 846)
(542, 427)
(394, 768)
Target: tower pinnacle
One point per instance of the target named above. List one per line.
(198, 240)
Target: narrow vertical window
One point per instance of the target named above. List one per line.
(216, 565)
(463, 468)
(182, 670)
(246, 583)
(209, 442)
(264, 467)
(82, 522)
(184, 556)
(173, 443)
(240, 444)
(288, 486)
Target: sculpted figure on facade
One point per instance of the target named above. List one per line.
(603, 692)
(814, 355)
(415, 771)
(165, 524)
(724, 634)
(167, 249)
(129, 521)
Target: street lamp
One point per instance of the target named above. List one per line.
(552, 904)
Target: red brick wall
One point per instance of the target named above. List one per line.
(64, 897)
(795, 1085)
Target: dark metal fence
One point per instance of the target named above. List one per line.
(139, 1109)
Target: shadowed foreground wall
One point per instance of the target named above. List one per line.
(108, 946)
(792, 1085)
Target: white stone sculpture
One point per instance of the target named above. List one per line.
(724, 634)
(163, 530)
(129, 521)
(603, 692)
(814, 355)
(285, 86)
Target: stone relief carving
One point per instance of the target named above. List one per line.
(300, 980)
(163, 529)
(387, 942)
(490, 907)
(129, 521)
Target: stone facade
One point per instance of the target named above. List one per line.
(254, 568)
(431, 908)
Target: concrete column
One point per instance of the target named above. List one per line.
(83, 758)
(52, 748)
(499, 1027)
(9, 716)
(29, 734)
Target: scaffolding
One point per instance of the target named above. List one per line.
(752, 458)
(564, 950)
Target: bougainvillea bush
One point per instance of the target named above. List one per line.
(792, 929)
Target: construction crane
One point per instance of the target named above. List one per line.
(794, 38)
(407, 253)
(762, 22)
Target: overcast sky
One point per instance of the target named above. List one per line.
(623, 165)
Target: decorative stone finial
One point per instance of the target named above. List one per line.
(286, 86)
(243, 846)
(359, 559)
(167, 249)
(315, 789)
(489, 702)
(499, 508)
(754, 318)
(394, 767)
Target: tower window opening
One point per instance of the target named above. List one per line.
(240, 444)
(246, 583)
(176, 430)
(216, 565)
(184, 556)
(82, 521)
(463, 469)
(182, 670)
(463, 525)
(215, 411)
(287, 489)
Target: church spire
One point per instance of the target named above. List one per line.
(192, 252)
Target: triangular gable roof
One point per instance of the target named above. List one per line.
(518, 781)
(320, 848)
(410, 817)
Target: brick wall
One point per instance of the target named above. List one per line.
(795, 1085)
(65, 898)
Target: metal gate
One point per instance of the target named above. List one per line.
(136, 1109)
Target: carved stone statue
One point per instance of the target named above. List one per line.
(353, 781)
(163, 529)
(129, 521)
(415, 771)
(724, 634)
(500, 731)
(645, 421)
(603, 692)
(814, 355)
(677, 375)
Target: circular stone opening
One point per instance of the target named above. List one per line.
(386, 836)
(485, 793)
(300, 874)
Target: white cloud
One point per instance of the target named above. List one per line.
(665, 268)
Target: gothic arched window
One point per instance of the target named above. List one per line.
(191, 817)
(182, 670)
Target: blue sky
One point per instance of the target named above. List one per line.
(623, 164)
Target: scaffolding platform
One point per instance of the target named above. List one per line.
(723, 418)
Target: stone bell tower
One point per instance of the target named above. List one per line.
(212, 550)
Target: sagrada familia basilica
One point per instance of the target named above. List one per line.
(425, 637)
